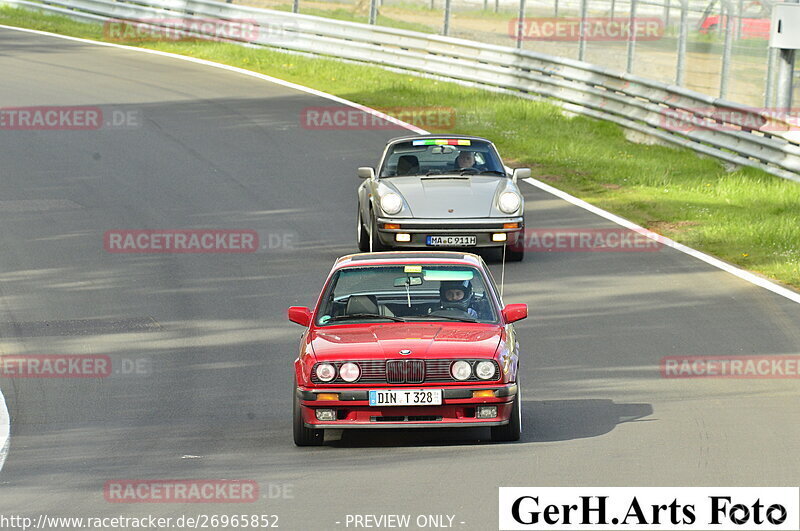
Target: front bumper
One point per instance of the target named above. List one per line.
(458, 409)
(419, 229)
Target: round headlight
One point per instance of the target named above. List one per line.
(349, 372)
(509, 202)
(485, 370)
(391, 203)
(461, 370)
(326, 372)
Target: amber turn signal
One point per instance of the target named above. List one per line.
(328, 396)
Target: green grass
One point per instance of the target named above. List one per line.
(746, 216)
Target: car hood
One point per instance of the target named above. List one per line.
(450, 196)
(379, 341)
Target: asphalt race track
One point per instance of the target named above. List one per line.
(202, 351)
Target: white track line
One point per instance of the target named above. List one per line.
(5, 431)
(716, 262)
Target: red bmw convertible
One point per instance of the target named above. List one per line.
(407, 340)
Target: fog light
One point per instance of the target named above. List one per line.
(482, 412)
(326, 414)
(327, 396)
(499, 237)
(402, 237)
(486, 393)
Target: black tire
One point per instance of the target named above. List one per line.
(304, 436)
(377, 245)
(511, 431)
(516, 252)
(513, 255)
(362, 234)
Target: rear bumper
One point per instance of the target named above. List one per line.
(458, 409)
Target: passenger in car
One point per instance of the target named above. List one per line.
(407, 165)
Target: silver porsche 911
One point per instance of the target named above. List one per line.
(441, 191)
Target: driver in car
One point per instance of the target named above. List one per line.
(457, 295)
(465, 159)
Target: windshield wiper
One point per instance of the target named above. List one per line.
(446, 173)
(366, 316)
(451, 317)
(495, 172)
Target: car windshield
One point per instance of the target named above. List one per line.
(431, 156)
(407, 293)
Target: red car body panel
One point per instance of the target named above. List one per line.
(376, 341)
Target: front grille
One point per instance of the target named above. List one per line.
(396, 371)
(415, 371)
(388, 419)
(439, 370)
(411, 418)
(371, 371)
(405, 372)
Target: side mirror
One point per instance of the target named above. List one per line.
(365, 172)
(521, 173)
(515, 312)
(300, 315)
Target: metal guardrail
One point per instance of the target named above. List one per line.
(726, 130)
